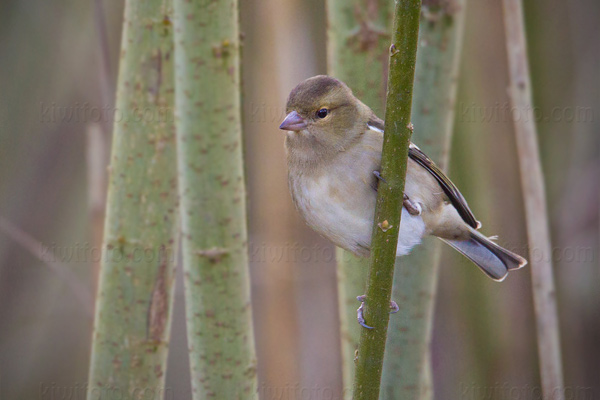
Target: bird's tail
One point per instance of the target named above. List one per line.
(494, 260)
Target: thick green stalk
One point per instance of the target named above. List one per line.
(213, 200)
(534, 193)
(398, 130)
(407, 359)
(357, 52)
(131, 327)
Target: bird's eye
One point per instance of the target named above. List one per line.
(322, 113)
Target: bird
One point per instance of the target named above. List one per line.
(333, 147)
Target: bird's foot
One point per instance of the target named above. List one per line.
(378, 175)
(360, 312)
(412, 207)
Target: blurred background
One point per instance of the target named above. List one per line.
(52, 63)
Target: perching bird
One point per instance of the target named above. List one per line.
(333, 147)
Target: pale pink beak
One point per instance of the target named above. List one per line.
(293, 122)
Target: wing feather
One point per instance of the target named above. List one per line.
(456, 198)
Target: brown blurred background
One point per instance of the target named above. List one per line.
(484, 334)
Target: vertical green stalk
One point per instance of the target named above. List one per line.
(357, 53)
(131, 327)
(213, 200)
(398, 130)
(408, 356)
(534, 193)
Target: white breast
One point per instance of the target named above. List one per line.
(341, 208)
(326, 207)
(412, 230)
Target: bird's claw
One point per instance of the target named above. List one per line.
(394, 307)
(360, 312)
(411, 207)
(378, 175)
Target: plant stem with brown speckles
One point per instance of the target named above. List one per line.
(364, 70)
(369, 358)
(415, 280)
(135, 294)
(213, 200)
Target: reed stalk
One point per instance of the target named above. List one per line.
(213, 200)
(415, 281)
(398, 131)
(135, 294)
(534, 194)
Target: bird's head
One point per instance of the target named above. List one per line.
(322, 112)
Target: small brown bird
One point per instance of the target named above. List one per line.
(333, 147)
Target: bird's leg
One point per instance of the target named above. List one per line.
(359, 313)
(412, 208)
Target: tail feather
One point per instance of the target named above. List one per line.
(494, 260)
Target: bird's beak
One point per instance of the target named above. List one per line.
(293, 122)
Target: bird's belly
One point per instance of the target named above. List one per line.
(332, 211)
(345, 216)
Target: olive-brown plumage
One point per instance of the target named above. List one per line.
(333, 147)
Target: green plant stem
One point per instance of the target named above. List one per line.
(398, 130)
(357, 53)
(213, 200)
(536, 215)
(415, 282)
(135, 295)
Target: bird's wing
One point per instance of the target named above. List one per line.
(456, 198)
